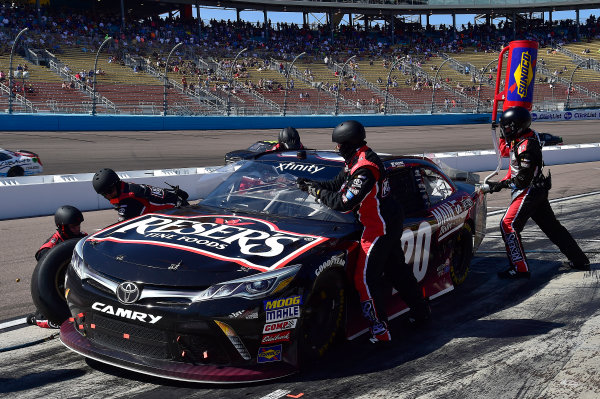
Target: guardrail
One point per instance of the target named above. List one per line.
(41, 195)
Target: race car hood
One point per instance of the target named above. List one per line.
(200, 250)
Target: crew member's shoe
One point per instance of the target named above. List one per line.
(420, 315)
(585, 266)
(513, 274)
(40, 321)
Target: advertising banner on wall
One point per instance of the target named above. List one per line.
(565, 115)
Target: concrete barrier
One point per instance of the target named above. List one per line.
(42, 195)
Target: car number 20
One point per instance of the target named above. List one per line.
(416, 245)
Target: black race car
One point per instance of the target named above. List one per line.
(550, 139)
(250, 152)
(256, 278)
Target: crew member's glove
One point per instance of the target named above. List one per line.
(496, 186)
(314, 190)
(302, 183)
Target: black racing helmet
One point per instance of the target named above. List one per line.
(514, 122)
(349, 135)
(104, 180)
(289, 138)
(349, 132)
(67, 214)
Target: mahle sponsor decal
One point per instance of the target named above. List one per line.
(223, 237)
(291, 312)
(269, 354)
(284, 302)
(126, 313)
(280, 326)
(283, 336)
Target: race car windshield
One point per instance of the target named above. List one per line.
(259, 188)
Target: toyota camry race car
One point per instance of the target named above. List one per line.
(19, 163)
(256, 278)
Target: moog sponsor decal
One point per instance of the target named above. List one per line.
(281, 303)
(220, 237)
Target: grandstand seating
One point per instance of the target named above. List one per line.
(48, 94)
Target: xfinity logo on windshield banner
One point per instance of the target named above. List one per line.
(310, 168)
(220, 237)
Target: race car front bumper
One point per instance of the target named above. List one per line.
(169, 369)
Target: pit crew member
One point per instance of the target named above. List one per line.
(529, 196)
(361, 187)
(289, 139)
(131, 199)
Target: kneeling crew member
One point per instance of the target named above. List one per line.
(68, 221)
(289, 139)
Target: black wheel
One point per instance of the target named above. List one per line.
(15, 172)
(323, 316)
(48, 282)
(461, 258)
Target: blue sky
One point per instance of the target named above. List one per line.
(208, 13)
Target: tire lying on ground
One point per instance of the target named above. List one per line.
(48, 282)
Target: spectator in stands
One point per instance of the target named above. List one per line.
(2, 76)
(64, 85)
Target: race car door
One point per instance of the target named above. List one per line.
(433, 243)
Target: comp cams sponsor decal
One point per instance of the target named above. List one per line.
(280, 326)
(126, 313)
(283, 336)
(269, 354)
(237, 239)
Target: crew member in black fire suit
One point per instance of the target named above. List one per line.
(131, 199)
(529, 196)
(68, 225)
(362, 187)
(289, 139)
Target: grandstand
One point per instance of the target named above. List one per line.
(435, 69)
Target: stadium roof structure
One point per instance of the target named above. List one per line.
(396, 7)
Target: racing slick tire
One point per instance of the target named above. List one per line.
(324, 314)
(15, 172)
(48, 282)
(462, 255)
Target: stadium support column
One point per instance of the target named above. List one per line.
(266, 26)
(514, 15)
(331, 24)
(123, 13)
(350, 20)
(305, 18)
(577, 22)
(237, 14)
(454, 24)
(199, 19)
(393, 23)
(37, 9)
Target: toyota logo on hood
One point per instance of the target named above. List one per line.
(128, 292)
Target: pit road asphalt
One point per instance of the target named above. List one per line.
(489, 338)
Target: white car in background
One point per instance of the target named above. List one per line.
(19, 163)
